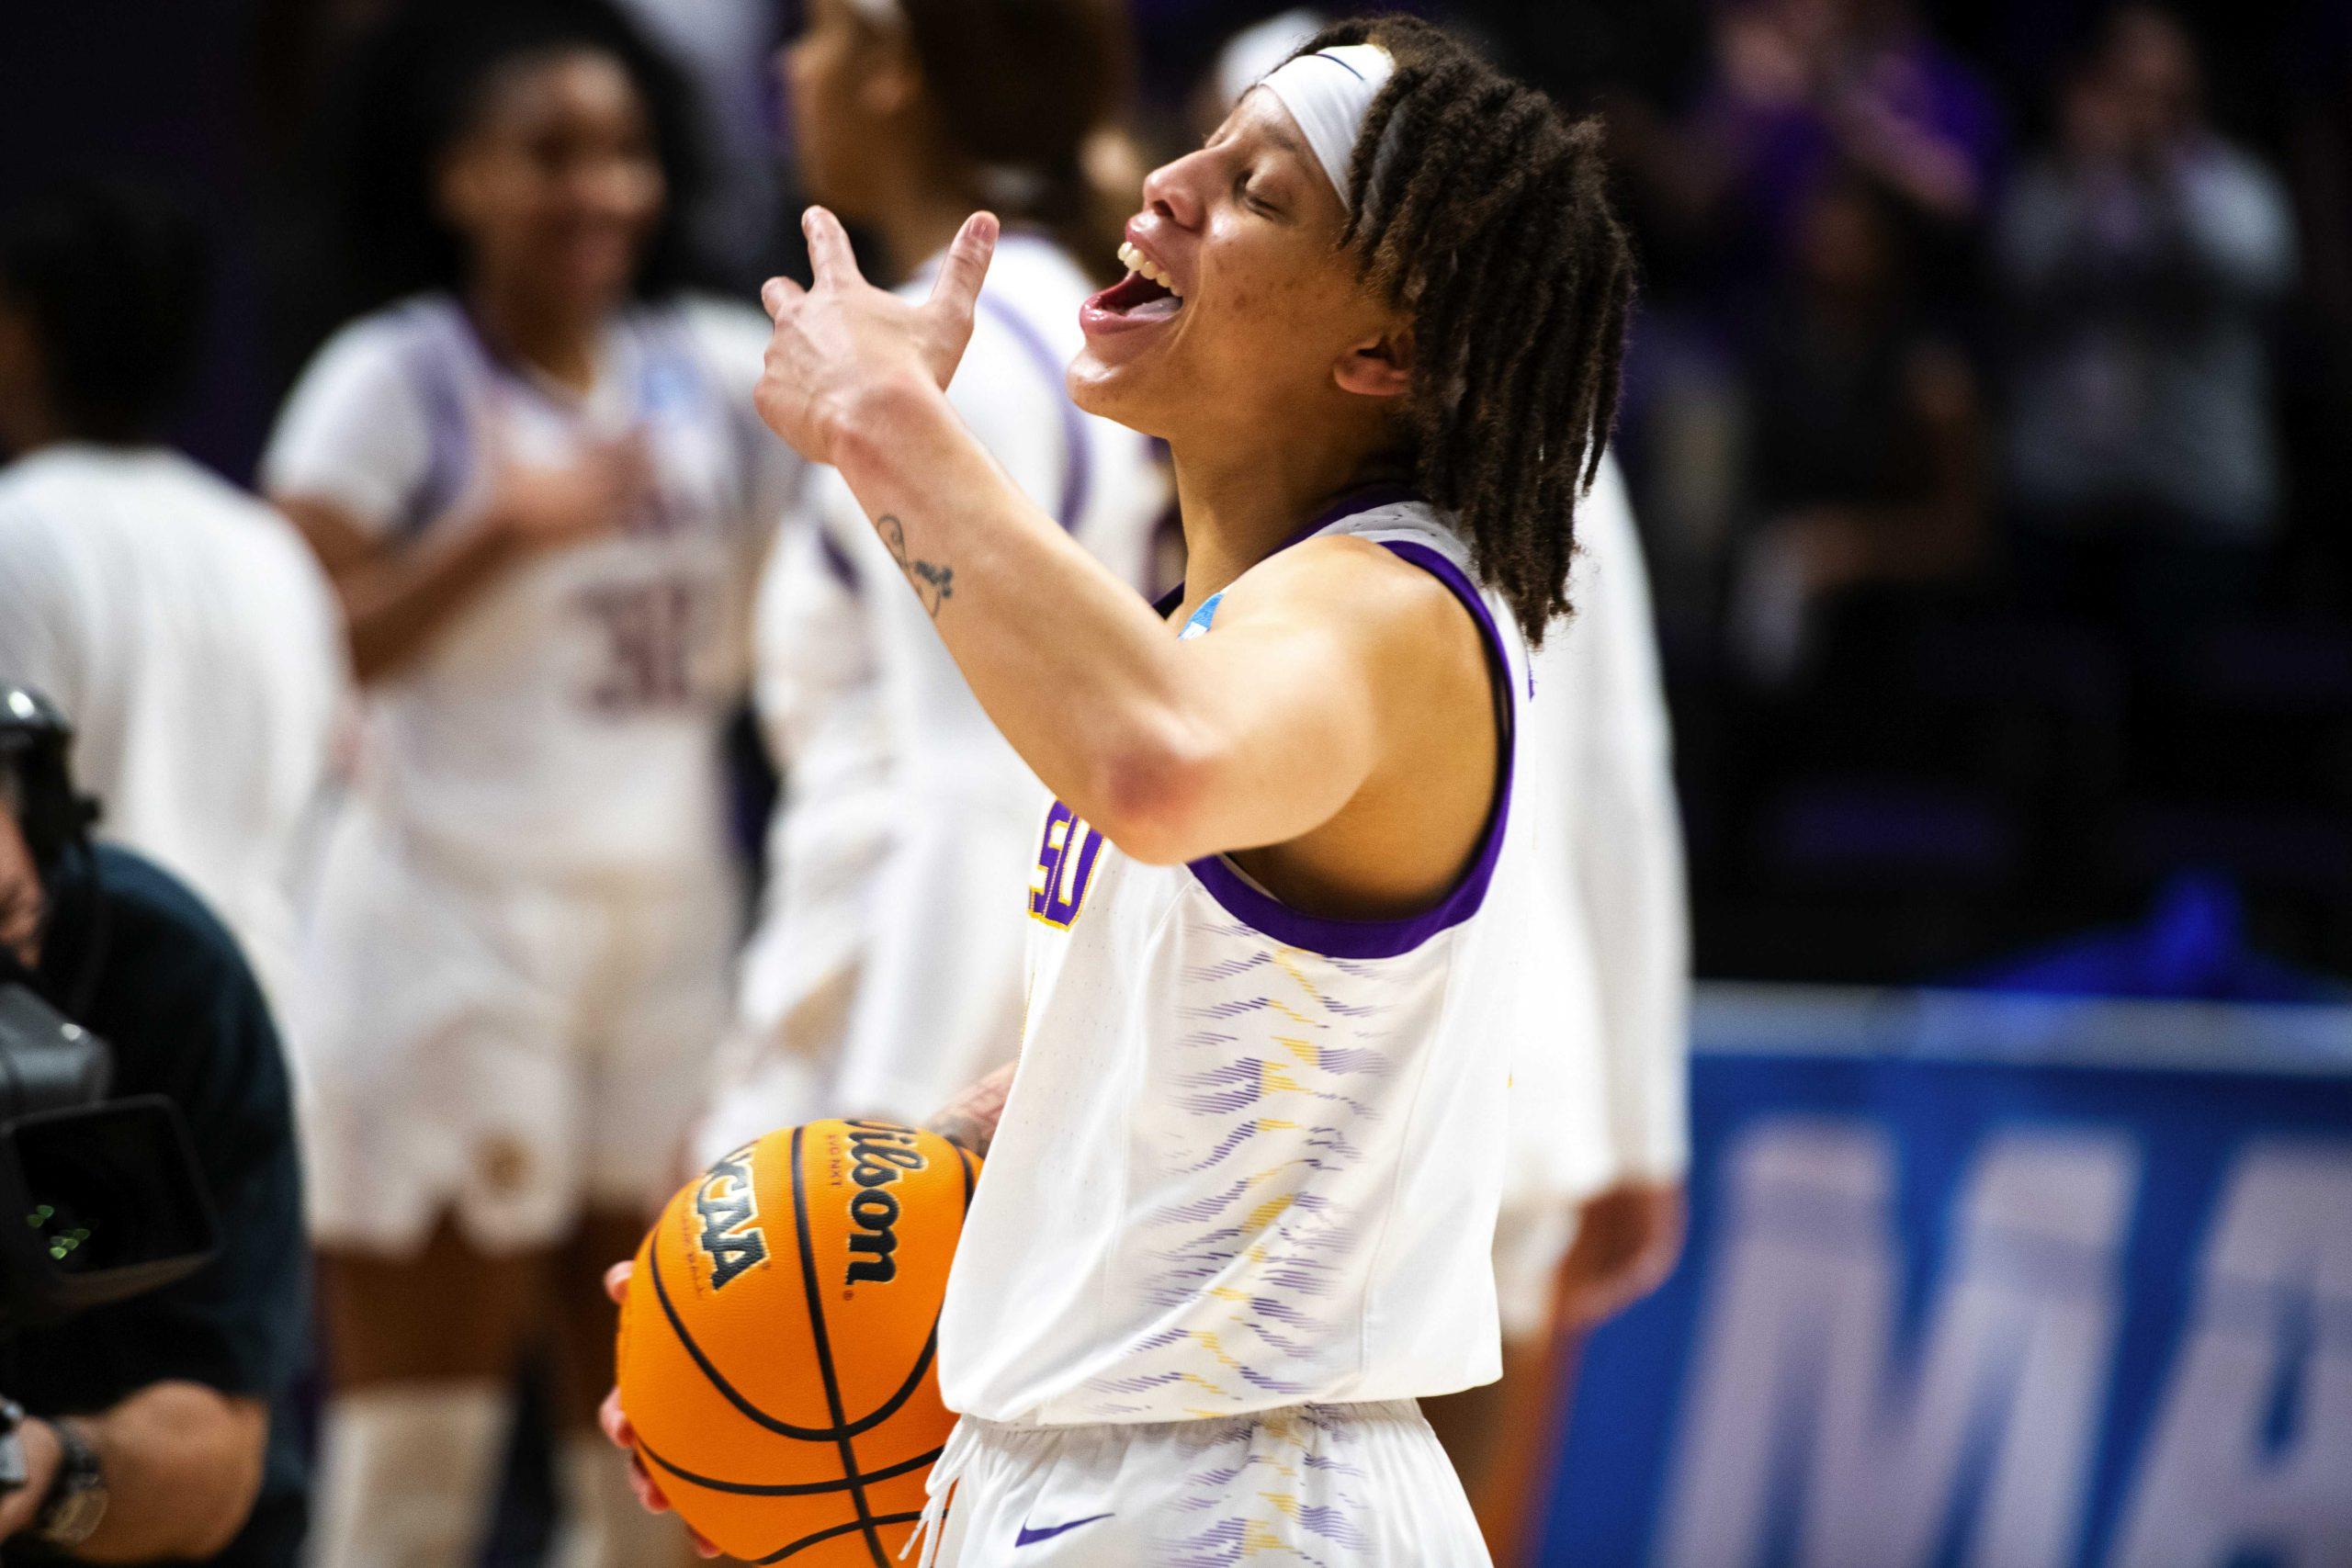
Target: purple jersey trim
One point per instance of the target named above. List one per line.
(448, 444)
(1350, 503)
(1336, 938)
(836, 560)
(1078, 468)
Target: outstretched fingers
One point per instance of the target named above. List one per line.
(958, 287)
(829, 249)
(778, 293)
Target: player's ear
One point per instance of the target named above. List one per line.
(892, 83)
(460, 191)
(1380, 367)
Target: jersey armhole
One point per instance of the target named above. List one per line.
(1337, 937)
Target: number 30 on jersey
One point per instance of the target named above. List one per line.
(1065, 865)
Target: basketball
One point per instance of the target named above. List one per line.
(776, 1352)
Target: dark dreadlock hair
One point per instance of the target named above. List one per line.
(1483, 210)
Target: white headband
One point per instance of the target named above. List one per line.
(881, 13)
(1249, 54)
(1328, 93)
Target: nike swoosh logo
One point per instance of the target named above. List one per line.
(1029, 1537)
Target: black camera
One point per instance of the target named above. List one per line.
(99, 1199)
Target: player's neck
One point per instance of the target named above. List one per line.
(916, 225)
(1239, 509)
(523, 326)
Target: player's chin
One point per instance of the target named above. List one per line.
(595, 268)
(1117, 387)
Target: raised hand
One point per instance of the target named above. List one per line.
(841, 341)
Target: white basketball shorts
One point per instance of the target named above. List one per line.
(514, 1052)
(1331, 1485)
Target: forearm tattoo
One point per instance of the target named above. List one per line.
(969, 1119)
(934, 582)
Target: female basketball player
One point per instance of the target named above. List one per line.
(883, 975)
(1237, 1215)
(533, 482)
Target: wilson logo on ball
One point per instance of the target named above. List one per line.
(880, 1153)
(794, 1419)
(731, 1237)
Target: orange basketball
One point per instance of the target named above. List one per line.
(776, 1347)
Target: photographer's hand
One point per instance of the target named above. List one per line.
(182, 1465)
(20, 1507)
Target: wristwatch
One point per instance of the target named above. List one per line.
(77, 1497)
(12, 1446)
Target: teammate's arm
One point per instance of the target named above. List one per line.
(969, 1119)
(1172, 751)
(397, 595)
(1627, 871)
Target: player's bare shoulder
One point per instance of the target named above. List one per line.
(1417, 642)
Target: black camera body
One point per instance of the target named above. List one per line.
(111, 1199)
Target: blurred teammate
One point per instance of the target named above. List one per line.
(886, 974)
(1592, 1211)
(535, 481)
(180, 623)
(1237, 1216)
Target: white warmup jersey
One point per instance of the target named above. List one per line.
(517, 961)
(186, 630)
(1252, 1158)
(1598, 1089)
(565, 724)
(817, 690)
(886, 972)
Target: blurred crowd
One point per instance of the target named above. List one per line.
(1984, 415)
(1983, 433)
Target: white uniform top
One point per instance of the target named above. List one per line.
(1600, 1088)
(816, 688)
(185, 629)
(1252, 1158)
(888, 956)
(564, 725)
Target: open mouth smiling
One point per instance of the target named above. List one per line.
(1146, 295)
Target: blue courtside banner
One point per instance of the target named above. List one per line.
(1987, 1283)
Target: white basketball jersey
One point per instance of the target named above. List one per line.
(566, 722)
(1251, 1157)
(1599, 1088)
(189, 634)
